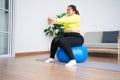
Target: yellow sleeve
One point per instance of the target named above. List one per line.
(66, 19)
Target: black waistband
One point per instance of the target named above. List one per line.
(71, 34)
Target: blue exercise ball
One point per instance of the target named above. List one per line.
(80, 54)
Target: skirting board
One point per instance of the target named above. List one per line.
(30, 53)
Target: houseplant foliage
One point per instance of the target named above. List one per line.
(55, 29)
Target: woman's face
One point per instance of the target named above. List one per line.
(70, 11)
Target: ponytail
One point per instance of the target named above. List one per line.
(77, 12)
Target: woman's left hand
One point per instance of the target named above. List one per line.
(51, 21)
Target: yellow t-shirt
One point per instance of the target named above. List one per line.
(70, 22)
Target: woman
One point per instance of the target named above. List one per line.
(71, 35)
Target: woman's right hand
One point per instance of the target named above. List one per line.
(51, 21)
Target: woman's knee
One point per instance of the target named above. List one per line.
(62, 41)
(55, 40)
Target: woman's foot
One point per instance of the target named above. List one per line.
(49, 60)
(71, 63)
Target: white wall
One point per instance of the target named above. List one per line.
(31, 19)
(100, 15)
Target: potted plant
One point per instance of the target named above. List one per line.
(55, 29)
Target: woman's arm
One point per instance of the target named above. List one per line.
(71, 19)
(66, 19)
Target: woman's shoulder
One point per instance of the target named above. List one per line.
(73, 16)
(76, 16)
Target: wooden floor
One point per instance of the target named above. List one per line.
(26, 68)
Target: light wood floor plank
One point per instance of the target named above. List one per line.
(27, 68)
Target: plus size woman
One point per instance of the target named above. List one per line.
(71, 36)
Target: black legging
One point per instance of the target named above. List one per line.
(65, 42)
